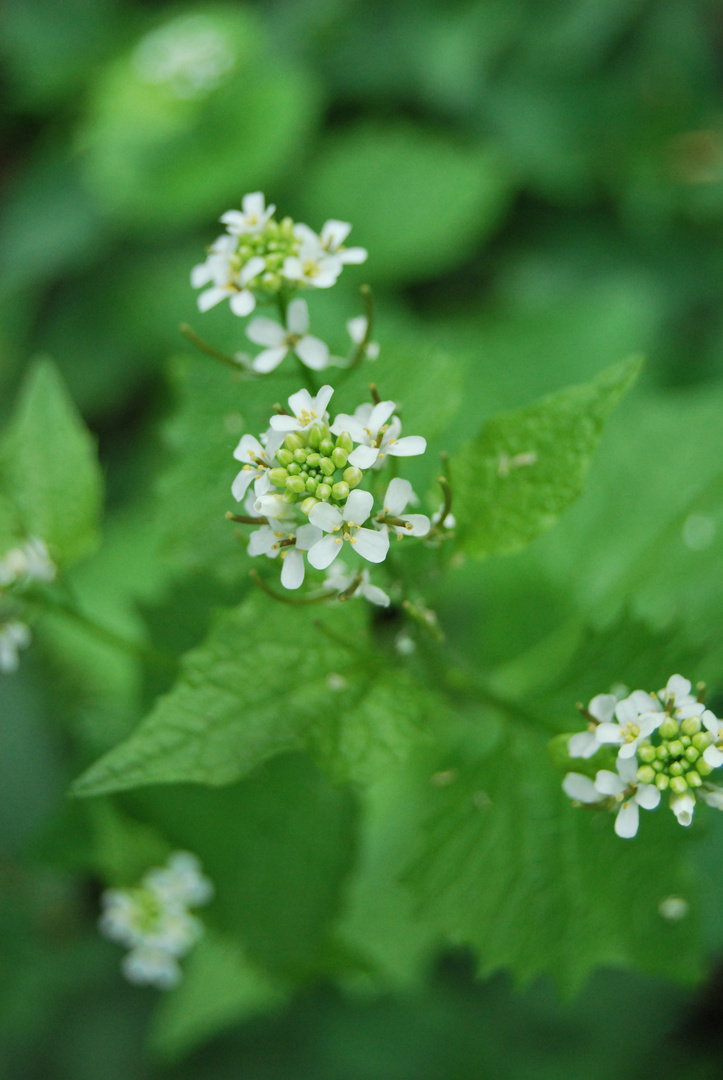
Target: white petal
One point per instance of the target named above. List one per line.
(201, 275)
(643, 702)
(397, 496)
(372, 545)
(420, 524)
(293, 268)
(609, 783)
(211, 297)
(358, 507)
(307, 536)
(581, 788)
(363, 457)
(248, 449)
(608, 733)
(602, 707)
(711, 722)
(297, 317)
(325, 516)
(334, 233)
(627, 711)
(693, 708)
(677, 686)
(261, 542)
(242, 483)
(627, 751)
(254, 204)
(324, 553)
(713, 757)
(683, 807)
(627, 768)
(647, 796)
(626, 822)
(242, 303)
(301, 402)
(292, 569)
(353, 255)
(583, 744)
(712, 796)
(409, 446)
(323, 398)
(284, 424)
(264, 331)
(269, 359)
(380, 414)
(252, 268)
(374, 595)
(353, 425)
(313, 352)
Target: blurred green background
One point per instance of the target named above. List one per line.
(540, 187)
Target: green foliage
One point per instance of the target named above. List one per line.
(525, 468)
(269, 681)
(49, 470)
(419, 200)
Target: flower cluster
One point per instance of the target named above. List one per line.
(310, 494)
(154, 922)
(667, 741)
(259, 258)
(19, 568)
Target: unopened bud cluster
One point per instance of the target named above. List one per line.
(154, 921)
(668, 743)
(19, 568)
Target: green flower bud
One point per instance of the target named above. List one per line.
(340, 491)
(676, 769)
(669, 728)
(339, 457)
(661, 781)
(294, 468)
(327, 466)
(312, 484)
(296, 484)
(701, 741)
(293, 441)
(647, 752)
(685, 739)
(326, 446)
(278, 477)
(345, 442)
(692, 754)
(663, 753)
(658, 765)
(676, 748)
(323, 491)
(313, 459)
(307, 504)
(691, 726)
(693, 778)
(300, 455)
(353, 476)
(645, 775)
(313, 438)
(284, 456)
(703, 767)
(678, 785)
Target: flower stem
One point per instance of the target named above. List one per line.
(203, 346)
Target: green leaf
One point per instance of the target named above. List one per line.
(220, 987)
(420, 201)
(508, 866)
(270, 680)
(49, 468)
(526, 467)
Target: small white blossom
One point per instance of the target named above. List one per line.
(257, 460)
(307, 411)
(713, 755)
(331, 240)
(180, 881)
(712, 795)
(280, 342)
(148, 966)
(637, 717)
(620, 786)
(30, 562)
(376, 436)
(338, 578)
(252, 217)
(369, 543)
(313, 265)
(226, 283)
(585, 743)
(14, 636)
(398, 494)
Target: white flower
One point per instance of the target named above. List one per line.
(369, 543)
(368, 427)
(620, 786)
(339, 579)
(677, 693)
(683, 807)
(711, 795)
(180, 881)
(585, 743)
(638, 716)
(310, 350)
(218, 271)
(31, 562)
(148, 966)
(14, 636)
(252, 217)
(277, 538)
(397, 496)
(333, 235)
(257, 460)
(313, 265)
(307, 411)
(357, 329)
(712, 755)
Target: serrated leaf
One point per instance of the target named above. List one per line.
(259, 687)
(49, 468)
(526, 467)
(509, 867)
(220, 987)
